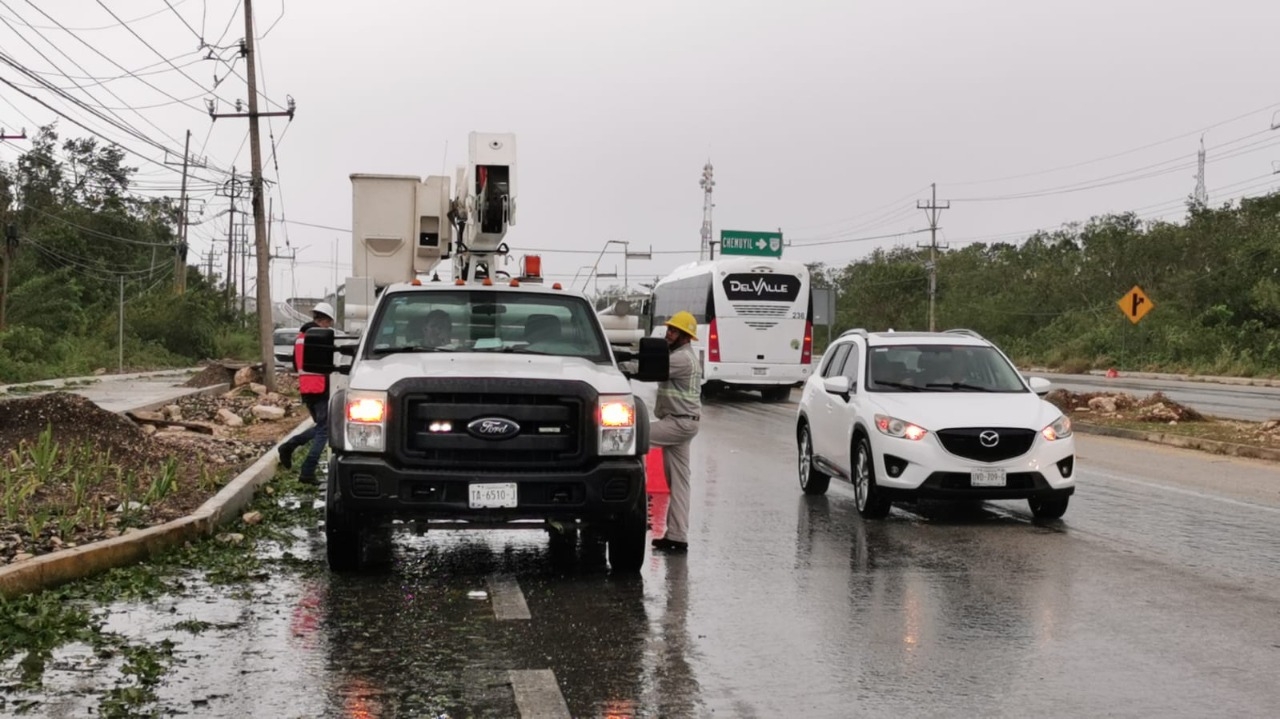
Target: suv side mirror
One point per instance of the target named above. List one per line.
(655, 360)
(1040, 385)
(837, 385)
(317, 351)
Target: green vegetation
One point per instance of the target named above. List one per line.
(1214, 281)
(78, 232)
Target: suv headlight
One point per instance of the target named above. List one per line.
(616, 417)
(1060, 429)
(895, 427)
(365, 421)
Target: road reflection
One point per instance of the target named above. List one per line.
(416, 640)
(923, 595)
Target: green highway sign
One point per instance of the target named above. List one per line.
(760, 244)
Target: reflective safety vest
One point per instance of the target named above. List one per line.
(308, 382)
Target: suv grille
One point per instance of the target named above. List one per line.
(969, 442)
(552, 427)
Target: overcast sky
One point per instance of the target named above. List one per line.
(826, 119)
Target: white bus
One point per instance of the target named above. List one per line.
(755, 321)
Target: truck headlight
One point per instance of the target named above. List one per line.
(616, 417)
(365, 425)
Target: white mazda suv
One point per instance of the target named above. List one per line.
(932, 415)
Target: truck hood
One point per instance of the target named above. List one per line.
(379, 374)
(945, 410)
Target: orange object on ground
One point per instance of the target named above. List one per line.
(655, 475)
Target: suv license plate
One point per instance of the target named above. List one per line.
(759, 371)
(493, 495)
(987, 478)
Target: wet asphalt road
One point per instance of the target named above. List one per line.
(1229, 401)
(1157, 595)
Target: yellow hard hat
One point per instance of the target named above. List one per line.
(685, 322)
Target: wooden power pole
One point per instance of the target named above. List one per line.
(259, 210)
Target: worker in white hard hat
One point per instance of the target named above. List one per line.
(314, 389)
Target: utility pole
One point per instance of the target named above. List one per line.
(259, 211)
(707, 183)
(180, 252)
(232, 189)
(1202, 192)
(10, 242)
(10, 246)
(933, 209)
(121, 331)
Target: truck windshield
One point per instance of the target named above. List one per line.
(487, 321)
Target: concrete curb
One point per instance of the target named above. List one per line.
(1212, 446)
(49, 570)
(199, 391)
(1206, 379)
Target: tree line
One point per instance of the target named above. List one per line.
(1212, 279)
(74, 229)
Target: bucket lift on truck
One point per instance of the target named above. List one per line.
(403, 227)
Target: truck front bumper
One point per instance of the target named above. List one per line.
(369, 486)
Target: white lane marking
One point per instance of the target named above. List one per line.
(538, 694)
(1181, 490)
(508, 600)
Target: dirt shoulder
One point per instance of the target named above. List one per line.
(72, 473)
(1156, 418)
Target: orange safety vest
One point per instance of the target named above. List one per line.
(308, 382)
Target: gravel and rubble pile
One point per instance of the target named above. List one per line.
(1155, 407)
(74, 420)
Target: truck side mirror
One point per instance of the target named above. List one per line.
(317, 351)
(655, 360)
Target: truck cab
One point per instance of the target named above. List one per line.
(483, 405)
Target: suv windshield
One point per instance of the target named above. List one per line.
(485, 321)
(940, 368)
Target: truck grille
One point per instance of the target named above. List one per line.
(969, 442)
(553, 426)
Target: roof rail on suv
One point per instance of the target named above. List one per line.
(962, 331)
(857, 331)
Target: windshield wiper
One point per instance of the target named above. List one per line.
(411, 348)
(523, 351)
(960, 385)
(898, 385)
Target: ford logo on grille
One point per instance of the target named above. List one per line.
(989, 438)
(493, 428)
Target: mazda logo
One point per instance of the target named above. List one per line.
(989, 438)
(493, 428)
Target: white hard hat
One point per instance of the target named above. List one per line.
(324, 308)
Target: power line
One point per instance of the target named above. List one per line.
(92, 29)
(1117, 154)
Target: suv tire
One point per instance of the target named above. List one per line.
(871, 501)
(1051, 508)
(812, 480)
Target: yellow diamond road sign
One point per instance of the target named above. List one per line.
(1135, 304)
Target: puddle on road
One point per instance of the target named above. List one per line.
(419, 640)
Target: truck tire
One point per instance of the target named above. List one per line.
(627, 538)
(341, 536)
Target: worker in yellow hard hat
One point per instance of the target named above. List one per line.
(678, 410)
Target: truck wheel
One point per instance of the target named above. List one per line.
(626, 538)
(341, 538)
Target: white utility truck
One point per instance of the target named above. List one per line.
(481, 400)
